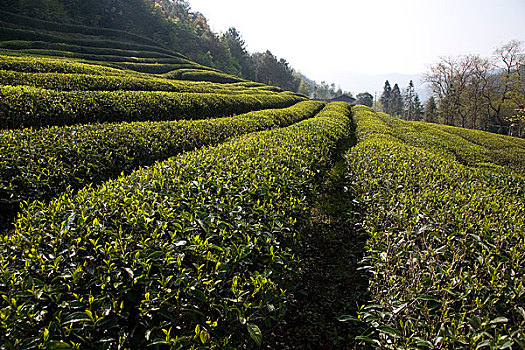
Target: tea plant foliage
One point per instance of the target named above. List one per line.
(446, 247)
(43, 163)
(192, 252)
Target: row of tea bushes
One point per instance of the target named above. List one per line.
(446, 247)
(54, 65)
(22, 106)
(193, 252)
(41, 164)
(90, 82)
(9, 34)
(470, 147)
(141, 65)
(94, 32)
(202, 75)
(130, 55)
(502, 150)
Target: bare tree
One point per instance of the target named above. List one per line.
(481, 93)
(449, 80)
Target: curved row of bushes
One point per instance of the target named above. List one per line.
(90, 82)
(142, 65)
(7, 34)
(22, 106)
(470, 147)
(195, 251)
(127, 55)
(73, 28)
(56, 65)
(446, 247)
(95, 66)
(202, 75)
(41, 164)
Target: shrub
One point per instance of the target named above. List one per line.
(41, 164)
(91, 82)
(193, 252)
(33, 107)
(446, 247)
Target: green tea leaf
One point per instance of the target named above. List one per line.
(255, 333)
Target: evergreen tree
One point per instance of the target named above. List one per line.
(385, 98)
(418, 108)
(396, 101)
(408, 110)
(431, 115)
(413, 109)
(237, 48)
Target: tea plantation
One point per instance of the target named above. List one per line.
(444, 212)
(149, 202)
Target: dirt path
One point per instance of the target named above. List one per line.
(331, 285)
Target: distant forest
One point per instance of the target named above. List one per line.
(173, 24)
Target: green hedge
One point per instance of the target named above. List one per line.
(31, 35)
(202, 75)
(446, 247)
(41, 164)
(470, 147)
(192, 252)
(89, 82)
(54, 65)
(107, 54)
(502, 150)
(71, 28)
(162, 68)
(144, 65)
(33, 107)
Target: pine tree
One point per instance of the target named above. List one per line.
(408, 110)
(431, 115)
(396, 101)
(418, 108)
(385, 97)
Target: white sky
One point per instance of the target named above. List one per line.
(334, 39)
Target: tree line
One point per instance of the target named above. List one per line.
(486, 93)
(405, 105)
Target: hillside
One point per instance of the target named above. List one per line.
(149, 201)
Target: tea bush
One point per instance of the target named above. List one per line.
(195, 251)
(54, 65)
(27, 106)
(8, 34)
(142, 65)
(129, 55)
(470, 147)
(90, 82)
(78, 29)
(202, 75)
(41, 164)
(446, 247)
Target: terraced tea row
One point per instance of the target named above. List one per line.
(470, 147)
(122, 54)
(131, 52)
(35, 107)
(29, 23)
(41, 164)
(90, 82)
(14, 34)
(446, 248)
(195, 251)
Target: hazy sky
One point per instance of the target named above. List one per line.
(331, 40)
